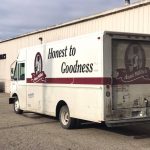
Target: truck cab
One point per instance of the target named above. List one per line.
(18, 82)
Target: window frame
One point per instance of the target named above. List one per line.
(19, 74)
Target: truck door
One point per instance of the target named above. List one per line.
(19, 83)
(131, 76)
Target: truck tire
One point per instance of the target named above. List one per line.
(16, 105)
(65, 120)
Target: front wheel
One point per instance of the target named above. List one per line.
(65, 120)
(17, 109)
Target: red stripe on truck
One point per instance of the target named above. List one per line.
(95, 81)
(137, 81)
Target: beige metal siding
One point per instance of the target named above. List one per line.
(136, 19)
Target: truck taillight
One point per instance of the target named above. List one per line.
(108, 94)
(108, 86)
(108, 90)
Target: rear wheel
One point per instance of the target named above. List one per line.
(17, 109)
(66, 121)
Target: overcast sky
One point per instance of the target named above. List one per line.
(22, 16)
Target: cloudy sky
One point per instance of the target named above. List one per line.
(22, 16)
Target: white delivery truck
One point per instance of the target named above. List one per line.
(99, 77)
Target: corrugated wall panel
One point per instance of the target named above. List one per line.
(145, 17)
(140, 20)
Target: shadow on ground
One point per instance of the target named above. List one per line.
(140, 131)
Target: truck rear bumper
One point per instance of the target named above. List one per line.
(125, 122)
(11, 100)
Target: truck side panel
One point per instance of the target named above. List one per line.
(70, 70)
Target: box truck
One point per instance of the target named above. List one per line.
(99, 77)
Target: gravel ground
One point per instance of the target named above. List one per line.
(37, 132)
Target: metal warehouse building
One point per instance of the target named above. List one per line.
(129, 18)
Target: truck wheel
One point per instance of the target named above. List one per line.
(65, 120)
(17, 109)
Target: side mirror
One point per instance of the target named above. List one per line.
(12, 73)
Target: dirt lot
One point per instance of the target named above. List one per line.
(36, 132)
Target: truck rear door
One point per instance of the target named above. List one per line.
(131, 77)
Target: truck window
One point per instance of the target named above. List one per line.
(19, 73)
